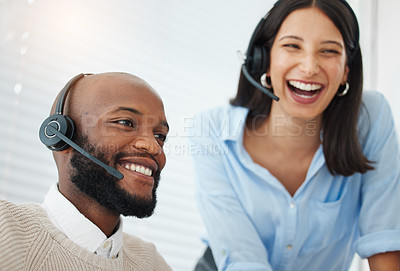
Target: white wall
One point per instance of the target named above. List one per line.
(388, 55)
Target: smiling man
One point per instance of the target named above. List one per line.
(119, 120)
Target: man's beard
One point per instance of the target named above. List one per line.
(101, 186)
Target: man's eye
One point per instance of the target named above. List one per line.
(126, 123)
(162, 137)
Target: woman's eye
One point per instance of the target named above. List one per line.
(290, 45)
(162, 137)
(330, 51)
(125, 123)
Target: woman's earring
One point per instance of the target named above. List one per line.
(344, 92)
(266, 81)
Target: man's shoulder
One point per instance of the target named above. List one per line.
(136, 247)
(15, 208)
(136, 243)
(23, 214)
(19, 228)
(8, 208)
(5, 203)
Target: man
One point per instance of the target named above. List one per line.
(119, 119)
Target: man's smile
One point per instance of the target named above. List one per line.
(138, 168)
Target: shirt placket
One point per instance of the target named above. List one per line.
(288, 248)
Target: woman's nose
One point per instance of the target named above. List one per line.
(309, 65)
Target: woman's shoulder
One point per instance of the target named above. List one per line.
(374, 106)
(375, 115)
(223, 118)
(373, 100)
(224, 112)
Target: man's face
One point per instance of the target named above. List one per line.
(121, 122)
(104, 188)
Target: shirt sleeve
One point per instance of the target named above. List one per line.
(233, 239)
(379, 220)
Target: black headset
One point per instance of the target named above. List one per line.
(255, 62)
(57, 131)
(58, 120)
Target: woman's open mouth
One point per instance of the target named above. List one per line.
(303, 89)
(304, 92)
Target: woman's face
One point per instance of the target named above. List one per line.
(308, 63)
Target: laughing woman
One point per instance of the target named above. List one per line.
(306, 179)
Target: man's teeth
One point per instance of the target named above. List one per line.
(139, 168)
(305, 87)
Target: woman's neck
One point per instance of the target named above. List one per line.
(287, 132)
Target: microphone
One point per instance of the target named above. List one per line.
(109, 169)
(254, 82)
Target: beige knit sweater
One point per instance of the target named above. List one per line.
(29, 241)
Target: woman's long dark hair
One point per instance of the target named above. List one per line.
(342, 150)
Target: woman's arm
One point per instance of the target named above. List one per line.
(231, 235)
(389, 261)
(379, 222)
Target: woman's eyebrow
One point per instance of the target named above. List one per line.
(291, 37)
(333, 42)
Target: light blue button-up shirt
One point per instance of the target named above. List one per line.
(253, 223)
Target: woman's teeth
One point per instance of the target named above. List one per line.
(139, 168)
(304, 90)
(304, 86)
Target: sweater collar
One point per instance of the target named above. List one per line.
(66, 217)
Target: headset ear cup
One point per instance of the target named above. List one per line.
(63, 124)
(258, 60)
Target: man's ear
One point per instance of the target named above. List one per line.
(63, 152)
(61, 157)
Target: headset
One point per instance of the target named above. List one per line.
(255, 62)
(57, 131)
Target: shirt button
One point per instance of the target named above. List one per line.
(289, 247)
(106, 244)
(292, 205)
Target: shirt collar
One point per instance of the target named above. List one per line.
(64, 215)
(233, 123)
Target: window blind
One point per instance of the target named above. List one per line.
(185, 49)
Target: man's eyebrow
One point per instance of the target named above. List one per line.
(165, 124)
(130, 109)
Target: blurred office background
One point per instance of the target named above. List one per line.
(185, 49)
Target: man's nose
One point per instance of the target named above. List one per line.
(147, 143)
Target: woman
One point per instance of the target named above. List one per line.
(304, 182)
